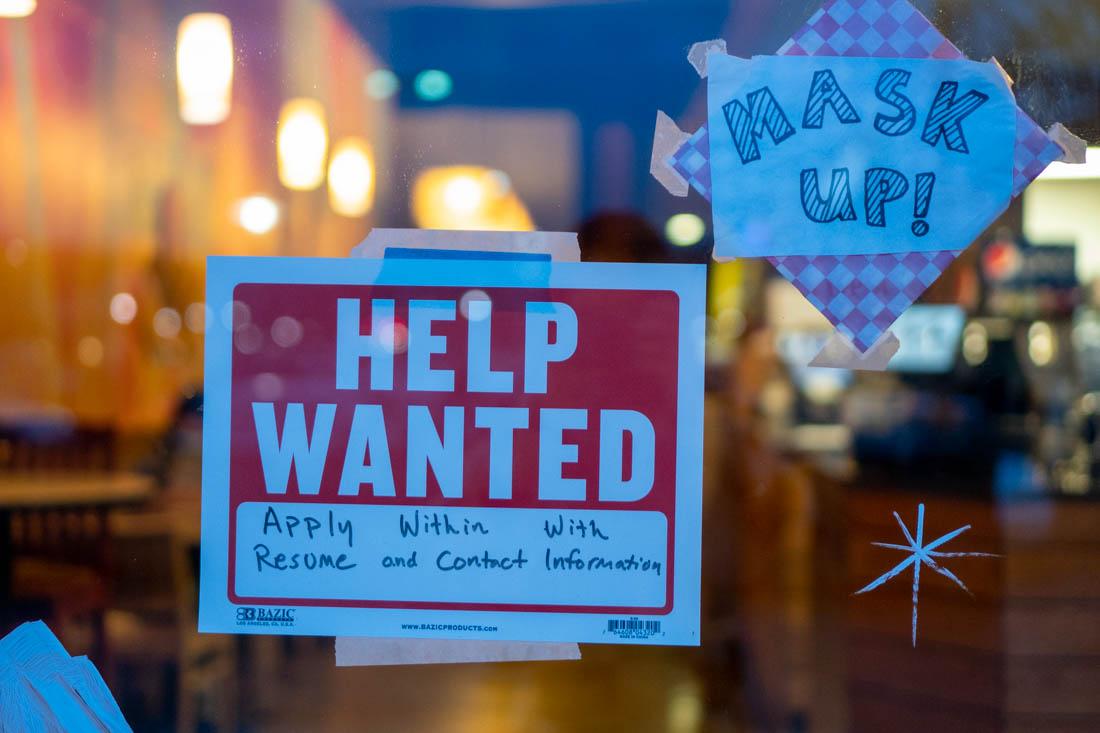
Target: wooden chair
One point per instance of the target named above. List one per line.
(59, 553)
(56, 447)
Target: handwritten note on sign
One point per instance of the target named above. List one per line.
(840, 156)
(453, 449)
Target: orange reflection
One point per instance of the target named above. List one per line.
(468, 197)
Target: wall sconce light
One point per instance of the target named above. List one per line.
(204, 68)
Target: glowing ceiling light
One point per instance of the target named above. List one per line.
(204, 68)
(257, 214)
(17, 8)
(685, 230)
(433, 85)
(302, 143)
(351, 177)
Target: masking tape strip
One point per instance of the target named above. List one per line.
(373, 652)
(840, 353)
(667, 139)
(1076, 149)
(697, 55)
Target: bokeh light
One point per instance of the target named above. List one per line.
(235, 316)
(468, 197)
(204, 68)
(975, 346)
(257, 214)
(393, 336)
(302, 144)
(123, 308)
(463, 195)
(287, 331)
(351, 178)
(196, 316)
(685, 230)
(1042, 344)
(381, 84)
(167, 323)
(17, 8)
(268, 387)
(89, 351)
(248, 339)
(478, 312)
(433, 85)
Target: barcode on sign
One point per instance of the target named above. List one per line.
(633, 627)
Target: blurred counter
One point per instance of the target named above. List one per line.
(1021, 654)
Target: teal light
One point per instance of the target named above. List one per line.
(433, 85)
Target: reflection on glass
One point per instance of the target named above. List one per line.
(433, 85)
(302, 144)
(196, 316)
(351, 177)
(685, 230)
(167, 323)
(204, 68)
(17, 8)
(257, 214)
(90, 351)
(381, 84)
(1042, 345)
(975, 344)
(123, 308)
(468, 197)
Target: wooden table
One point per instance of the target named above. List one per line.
(48, 490)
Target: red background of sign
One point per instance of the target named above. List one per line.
(626, 358)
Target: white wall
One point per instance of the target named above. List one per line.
(1066, 212)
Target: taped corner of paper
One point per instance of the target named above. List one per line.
(352, 651)
(1075, 149)
(840, 353)
(667, 139)
(697, 55)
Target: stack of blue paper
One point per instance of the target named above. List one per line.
(43, 689)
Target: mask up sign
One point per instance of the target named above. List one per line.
(860, 161)
(470, 449)
(856, 156)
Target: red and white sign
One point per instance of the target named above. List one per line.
(453, 448)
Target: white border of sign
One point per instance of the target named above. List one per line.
(680, 626)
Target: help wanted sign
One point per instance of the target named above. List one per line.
(453, 448)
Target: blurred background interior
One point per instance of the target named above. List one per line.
(136, 138)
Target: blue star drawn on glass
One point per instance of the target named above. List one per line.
(921, 555)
